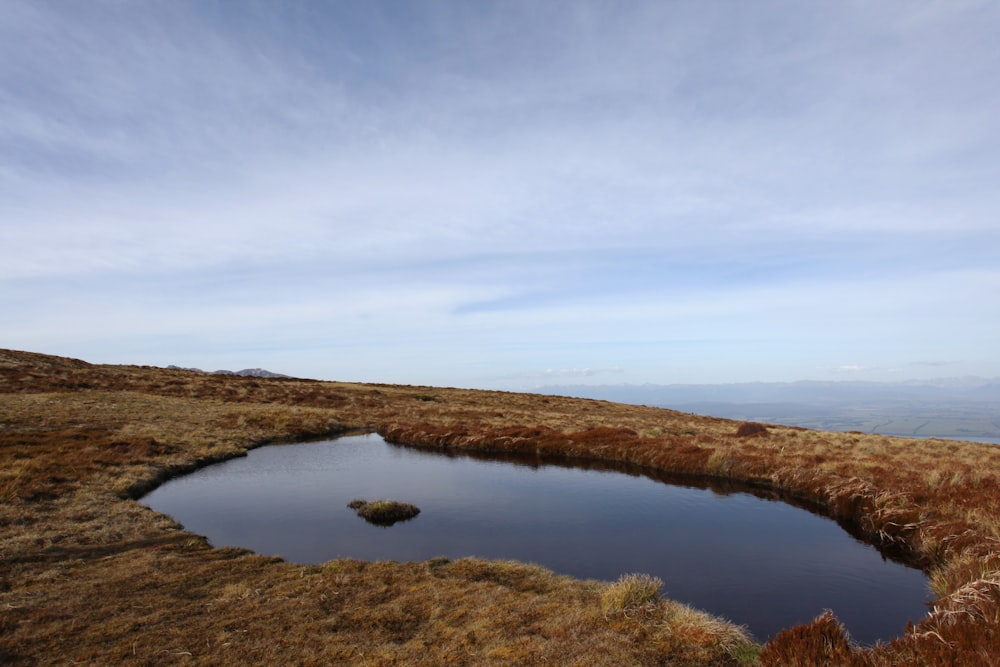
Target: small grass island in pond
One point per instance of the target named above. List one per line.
(384, 512)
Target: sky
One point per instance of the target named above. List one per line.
(505, 194)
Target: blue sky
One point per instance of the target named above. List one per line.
(505, 194)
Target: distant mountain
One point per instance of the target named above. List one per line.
(967, 408)
(246, 372)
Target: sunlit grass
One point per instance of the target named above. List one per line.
(630, 593)
(634, 604)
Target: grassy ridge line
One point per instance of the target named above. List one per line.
(75, 438)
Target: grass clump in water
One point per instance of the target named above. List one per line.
(384, 512)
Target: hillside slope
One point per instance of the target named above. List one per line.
(88, 574)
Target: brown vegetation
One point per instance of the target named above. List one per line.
(748, 429)
(89, 575)
(384, 512)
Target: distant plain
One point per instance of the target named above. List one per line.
(958, 408)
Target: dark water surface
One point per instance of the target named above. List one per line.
(760, 563)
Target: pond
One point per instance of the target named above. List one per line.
(756, 561)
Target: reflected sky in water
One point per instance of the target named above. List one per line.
(758, 562)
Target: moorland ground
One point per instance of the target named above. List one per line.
(88, 575)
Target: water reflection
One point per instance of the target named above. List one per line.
(746, 557)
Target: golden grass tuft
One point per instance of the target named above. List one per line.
(630, 593)
(633, 605)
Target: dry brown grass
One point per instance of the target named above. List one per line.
(631, 593)
(89, 575)
(384, 512)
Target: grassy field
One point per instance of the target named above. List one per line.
(90, 576)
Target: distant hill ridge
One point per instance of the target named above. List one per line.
(246, 372)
